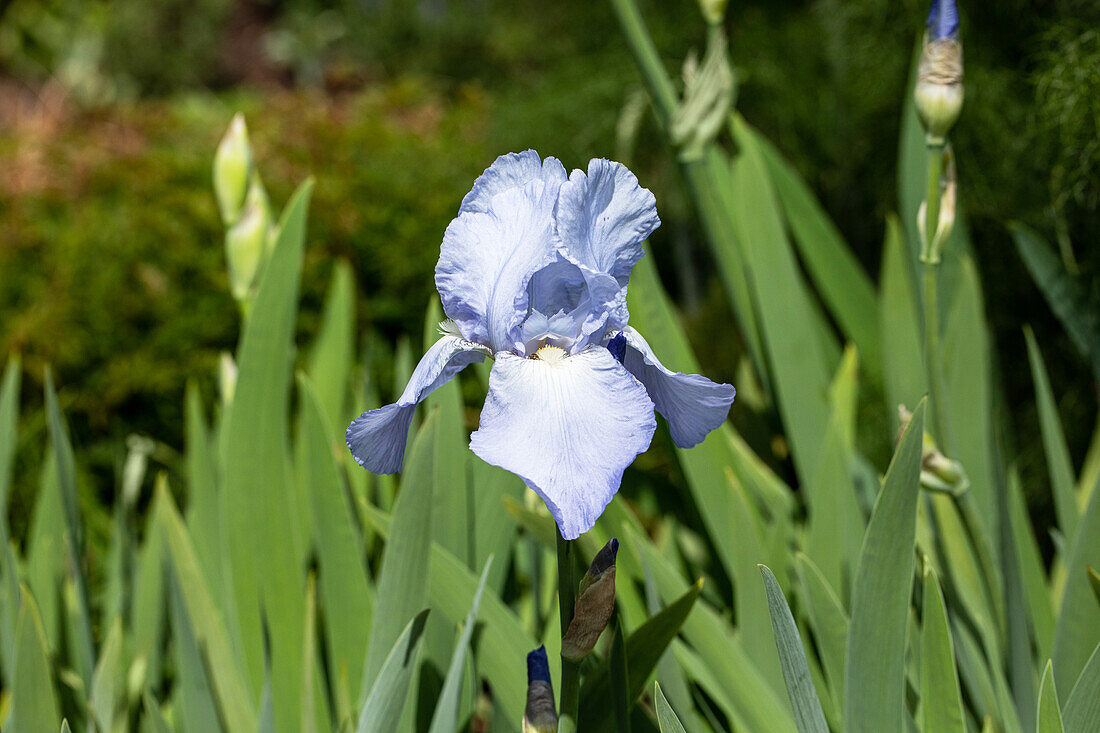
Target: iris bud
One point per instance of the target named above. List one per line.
(539, 716)
(227, 377)
(232, 170)
(708, 95)
(713, 11)
(246, 242)
(937, 471)
(939, 90)
(595, 604)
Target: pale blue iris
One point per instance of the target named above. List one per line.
(533, 271)
(943, 20)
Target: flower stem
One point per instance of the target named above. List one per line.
(930, 259)
(570, 671)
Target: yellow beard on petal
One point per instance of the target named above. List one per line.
(550, 354)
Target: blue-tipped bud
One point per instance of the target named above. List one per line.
(539, 716)
(595, 604)
(939, 91)
(943, 20)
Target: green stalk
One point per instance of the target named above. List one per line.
(570, 671)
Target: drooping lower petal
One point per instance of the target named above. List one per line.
(377, 437)
(692, 404)
(569, 429)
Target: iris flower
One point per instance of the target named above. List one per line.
(533, 272)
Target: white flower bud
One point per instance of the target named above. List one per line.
(232, 170)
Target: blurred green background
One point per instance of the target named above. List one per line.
(111, 260)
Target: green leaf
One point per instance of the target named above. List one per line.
(836, 272)
(445, 718)
(9, 605)
(1050, 715)
(1059, 465)
(620, 680)
(107, 696)
(666, 718)
(829, 621)
(875, 660)
(1077, 630)
(9, 423)
(836, 523)
(968, 375)
(79, 616)
(196, 608)
(260, 528)
(941, 699)
(1083, 707)
(203, 516)
(901, 336)
(724, 669)
(800, 372)
(148, 612)
(33, 699)
(1032, 572)
(345, 589)
(453, 588)
(152, 718)
(642, 650)
(800, 688)
(384, 704)
(403, 577)
(1071, 301)
(330, 361)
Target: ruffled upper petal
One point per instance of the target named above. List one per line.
(603, 217)
(491, 250)
(512, 170)
(568, 429)
(377, 437)
(692, 404)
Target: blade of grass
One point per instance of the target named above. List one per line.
(33, 698)
(666, 718)
(941, 699)
(836, 272)
(1050, 714)
(345, 591)
(445, 717)
(382, 710)
(402, 588)
(260, 529)
(641, 652)
(800, 688)
(1077, 630)
(1059, 465)
(874, 667)
(1083, 707)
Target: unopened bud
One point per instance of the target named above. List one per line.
(937, 471)
(708, 96)
(939, 91)
(232, 170)
(246, 243)
(713, 11)
(595, 604)
(227, 377)
(539, 716)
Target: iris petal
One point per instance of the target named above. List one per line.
(377, 437)
(568, 429)
(602, 219)
(512, 170)
(692, 404)
(488, 257)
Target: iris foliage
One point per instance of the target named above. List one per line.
(275, 586)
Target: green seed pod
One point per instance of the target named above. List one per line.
(595, 604)
(232, 170)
